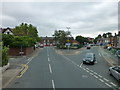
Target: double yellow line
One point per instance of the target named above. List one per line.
(23, 70)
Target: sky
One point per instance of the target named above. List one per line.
(84, 18)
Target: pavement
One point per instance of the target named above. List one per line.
(16, 67)
(109, 57)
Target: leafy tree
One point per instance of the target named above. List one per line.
(7, 39)
(61, 36)
(81, 39)
(99, 36)
(109, 34)
(104, 35)
(25, 30)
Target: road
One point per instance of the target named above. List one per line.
(50, 69)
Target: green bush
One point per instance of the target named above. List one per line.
(113, 51)
(5, 56)
(18, 41)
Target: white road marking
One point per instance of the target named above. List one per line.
(84, 69)
(91, 70)
(95, 73)
(108, 85)
(106, 79)
(99, 54)
(48, 59)
(101, 80)
(29, 60)
(81, 64)
(95, 76)
(113, 84)
(87, 68)
(53, 84)
(100, 76)
(50, 68)
(91, 73)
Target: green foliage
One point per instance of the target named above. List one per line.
(113, 51)
(0, 54)
(18, 41)
(61, 36)
(7, 39)
(5, 56)
(22, 41)
(25, 30)
(81, 39)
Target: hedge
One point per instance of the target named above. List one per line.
(5, 56)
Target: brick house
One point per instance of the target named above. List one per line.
(48, 41)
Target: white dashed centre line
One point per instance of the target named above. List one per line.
(99, 54)
(53, 84)
(48, 59)
(50, 68)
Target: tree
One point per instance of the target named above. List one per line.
(109, 34)
(99, 36)
(81, 39)
(61, 36)
(7, 39)
(25, 30)
(104, 35)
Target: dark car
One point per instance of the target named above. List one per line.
(115, 72)
(89, 58)
(118, 53)
(88, 47)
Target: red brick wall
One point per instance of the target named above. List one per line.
(15, 51)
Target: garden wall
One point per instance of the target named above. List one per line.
(16, 51)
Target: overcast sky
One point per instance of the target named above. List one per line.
(84, 18)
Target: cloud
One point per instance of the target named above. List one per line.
(84, 18)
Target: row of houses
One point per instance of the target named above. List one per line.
(113, 41)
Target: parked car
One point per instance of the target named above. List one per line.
(89, 58)
(41, 45)
(115, 72)
(118, 53)
(88, 47)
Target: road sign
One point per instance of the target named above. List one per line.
(68, 40)
(67, 44)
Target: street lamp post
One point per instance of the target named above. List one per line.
(68, 37)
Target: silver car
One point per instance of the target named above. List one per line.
(115, 71)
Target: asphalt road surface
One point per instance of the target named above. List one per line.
(50, 69)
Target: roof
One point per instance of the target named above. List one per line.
(46, 38)
(75, 41)
(5, 29)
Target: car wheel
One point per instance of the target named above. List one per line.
(110, 73)
(83, 62)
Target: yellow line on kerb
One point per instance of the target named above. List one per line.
(23, 70)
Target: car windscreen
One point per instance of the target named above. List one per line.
(88, 56)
